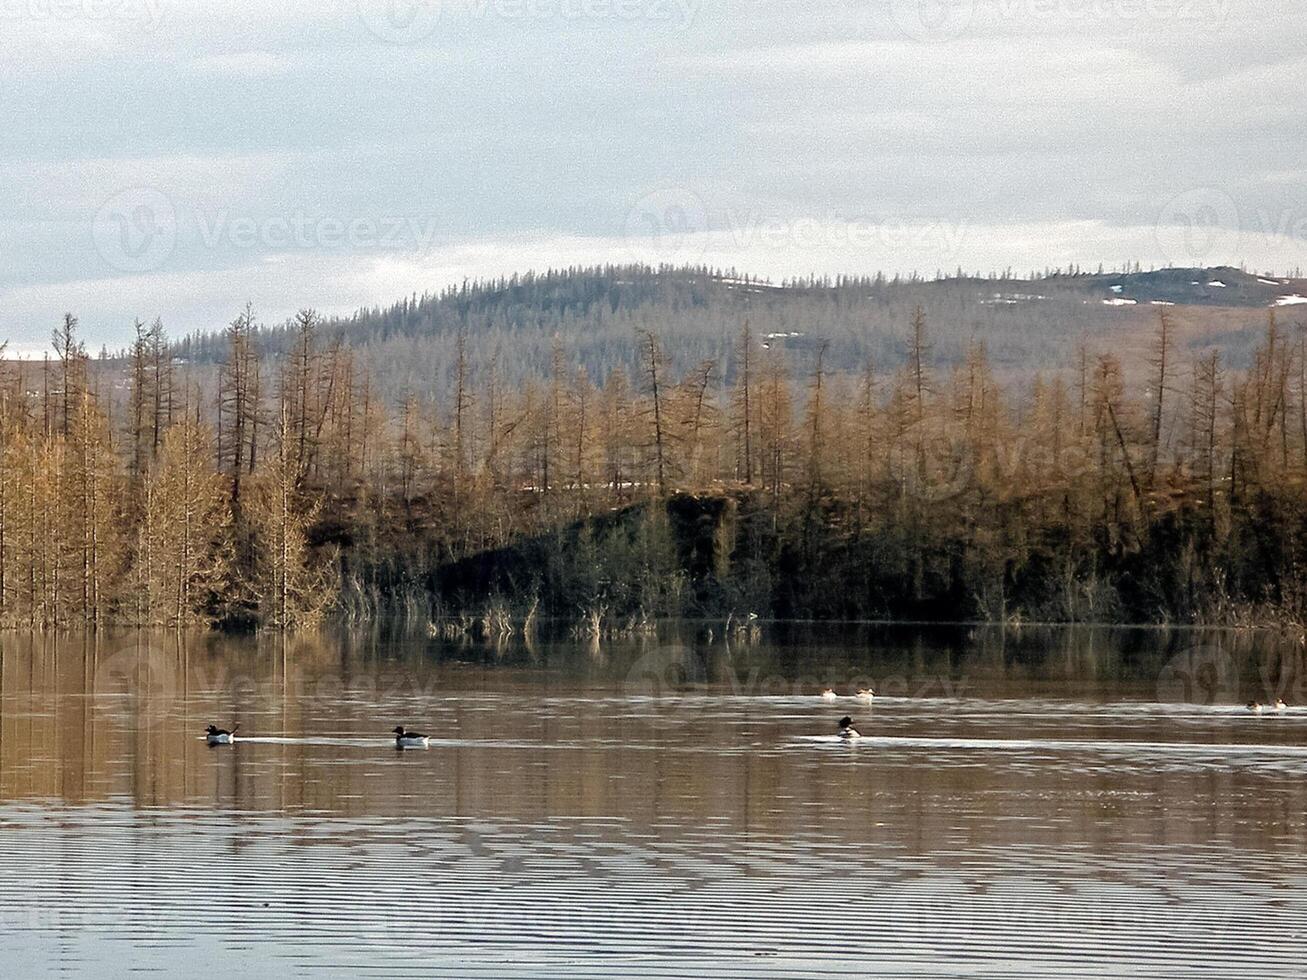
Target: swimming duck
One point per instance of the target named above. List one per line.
(847, 730)
(1280, 705)
(220, 736)
(410, 740)
(866, 694)
(828, 695)
(1255, 707)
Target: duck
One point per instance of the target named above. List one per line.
(410, 740)
(1280, 706)
(1255, 707)
(847, 730)
(828, 695)
(866, 694)
(220, 736)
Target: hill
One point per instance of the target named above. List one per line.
(1027, 324)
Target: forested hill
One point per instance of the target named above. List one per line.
(1026, 323)
(265, 480)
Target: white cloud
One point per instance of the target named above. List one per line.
(816, 135)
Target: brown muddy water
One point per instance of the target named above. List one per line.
(1069, 803)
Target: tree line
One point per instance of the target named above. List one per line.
(697, 313)
(270, 490)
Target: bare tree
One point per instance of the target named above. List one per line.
(651, 367)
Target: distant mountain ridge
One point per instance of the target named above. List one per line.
(1026, 323)
(1217, 287)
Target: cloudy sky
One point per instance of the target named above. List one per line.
(178, 157)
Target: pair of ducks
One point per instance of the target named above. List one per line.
(1256, 707)
(404, 739)
(864, 694)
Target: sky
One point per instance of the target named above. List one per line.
(176, 158)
